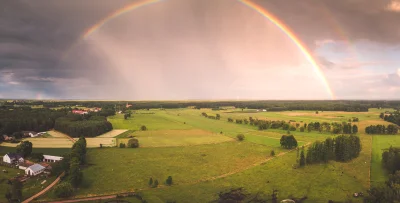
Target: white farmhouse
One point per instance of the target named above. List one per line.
(34, 170)
(50, 158)
(13, 158)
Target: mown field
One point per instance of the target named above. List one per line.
(204, 157)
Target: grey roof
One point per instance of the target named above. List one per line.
(14, 155)
(36, 167)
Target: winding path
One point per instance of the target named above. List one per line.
(45, 190)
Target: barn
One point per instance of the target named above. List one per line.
(34, 170)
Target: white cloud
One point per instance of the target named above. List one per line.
(398, 72)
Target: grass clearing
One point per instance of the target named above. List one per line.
(381, 143)
(184, 164)
(94, 142)
(57, 134)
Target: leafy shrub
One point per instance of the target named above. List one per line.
(240, 137)
(133, 143)
(122, 145)
(143, 128)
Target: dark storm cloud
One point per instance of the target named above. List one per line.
(35, 35)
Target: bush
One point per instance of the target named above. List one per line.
(155, 184)
(133, 143)
(143, 128)
(63, 190)
(169, 180)
(122, 145)
(272, 153)
(240, 137)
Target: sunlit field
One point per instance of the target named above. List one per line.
(204, 156)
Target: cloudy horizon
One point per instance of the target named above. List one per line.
(199, 50)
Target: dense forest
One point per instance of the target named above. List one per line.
(87, 126)
(276, 105)
(27, 119)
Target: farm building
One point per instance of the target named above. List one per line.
(7, 138)
(49, 158)
(13, 158)
(32, 134)
(80, 112)
(34, 170)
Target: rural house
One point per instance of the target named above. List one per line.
(7, 138)
(13, 158)
(34, 170)
(49, 158)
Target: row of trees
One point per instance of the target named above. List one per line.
(382, 129)
(335, 128)
(341, 148)
(71, 166)
(155, 183)
(216, 117)
(76, 125)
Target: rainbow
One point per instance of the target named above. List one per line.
(247, 3)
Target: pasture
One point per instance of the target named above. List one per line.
(44, 143)
(381, 143)
(168, 138)
(204, 157)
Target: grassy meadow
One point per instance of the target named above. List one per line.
(204, 157)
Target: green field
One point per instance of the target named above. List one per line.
(204, 157)
(381, 143)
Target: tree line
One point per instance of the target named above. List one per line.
(393, 117)
(341, 148)
(88, 126)
(216, 117)
(283, 105)
(382, 129)
(334, 128)
(71, 165)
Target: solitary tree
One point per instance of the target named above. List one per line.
(143, 128)
(169, 180)
(240, 137)
(272, 153)
(302, 159)
(25, 148)
(155, 184)
(133, 143)
(355, 129)
(150, 181)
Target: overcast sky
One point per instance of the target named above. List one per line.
(198, 49)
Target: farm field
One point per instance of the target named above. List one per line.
(168, 138)
(204, 157)
(49, 151)
(44, 143)
(112, 133)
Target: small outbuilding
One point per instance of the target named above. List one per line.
(50, 158)
(12, 158)
(34, 170)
